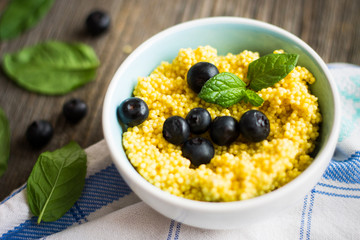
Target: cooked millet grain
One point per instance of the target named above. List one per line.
(239, 171)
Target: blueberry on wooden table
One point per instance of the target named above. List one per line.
(224, 130)
(39, 133)
(254, 126)
(74, 110)
(199, 120)
(176, 130)
(198, 150)
(199, 73)
(133, 111)
(97, 22)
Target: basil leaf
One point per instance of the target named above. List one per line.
(224, 89)
(52, 67)
(56, 182)
(269, 69)
(4, 142)
(253, 98)
(21, 15)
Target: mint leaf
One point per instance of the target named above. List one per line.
(56, 182)
(20, 15)
(253, 98)
(269, 69)
(4, 142)
(52, 67)
(227, 89)
(224, 89)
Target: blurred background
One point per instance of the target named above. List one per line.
(330, 27)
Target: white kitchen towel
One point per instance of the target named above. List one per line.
(108, 209)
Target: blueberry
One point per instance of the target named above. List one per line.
(176, 130)
(74, 110)
(39, 133)
(97, 22)
(133, 111)
(199, 120)
(224, 130)
(198, 150)
(199, 73)
(254, 126)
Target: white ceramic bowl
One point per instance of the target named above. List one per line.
(226, 34)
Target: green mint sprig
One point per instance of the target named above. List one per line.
(226, 89)
(270, 69)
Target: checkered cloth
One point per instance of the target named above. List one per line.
(109, 209)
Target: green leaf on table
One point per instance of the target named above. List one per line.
(20, 15)
(226, 89)
(56, 182)
(4, 142)
(52, 67)
(269, 69)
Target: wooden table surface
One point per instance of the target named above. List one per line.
(330, 27)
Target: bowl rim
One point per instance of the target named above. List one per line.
(203, 206)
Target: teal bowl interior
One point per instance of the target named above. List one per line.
(227, 35)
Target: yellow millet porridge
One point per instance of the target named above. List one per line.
(242, 170)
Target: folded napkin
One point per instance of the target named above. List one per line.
(109, 209)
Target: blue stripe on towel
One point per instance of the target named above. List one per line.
(337, 195)
(310, 210)
(100, 189)
(340, 188)
(311, 207)
(171, 227)
(302, 223)
(177, 232)
(345, 171)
